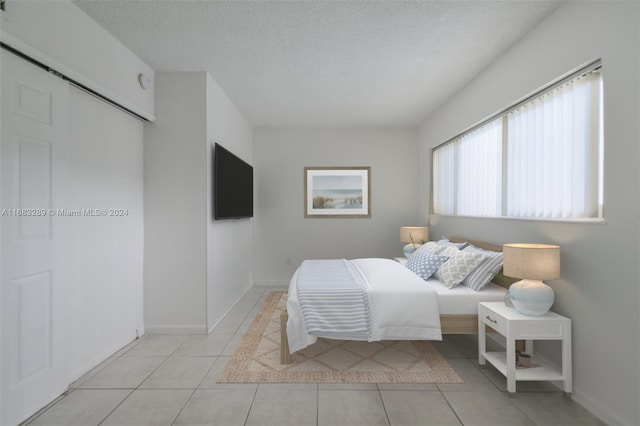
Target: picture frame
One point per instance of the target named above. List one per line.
(337, 192)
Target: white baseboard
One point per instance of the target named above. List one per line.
(595, 408)
(176, 329)
(89, 364)
(272, 283)
(210, 329)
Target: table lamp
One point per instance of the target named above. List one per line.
(533, 263)
(415, 236)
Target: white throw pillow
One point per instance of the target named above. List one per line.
(430, 247)
(459, 265)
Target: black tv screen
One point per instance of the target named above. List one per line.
(232, 185)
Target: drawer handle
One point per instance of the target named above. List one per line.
(492, 320)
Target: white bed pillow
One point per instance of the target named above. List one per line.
(424, 264)
(444, 242)
(430, 247)
(460, 264)
(484, 273)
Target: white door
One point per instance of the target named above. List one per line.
(32, 163)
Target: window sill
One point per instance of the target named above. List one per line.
(587, 221)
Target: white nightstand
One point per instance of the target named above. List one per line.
(515, 326)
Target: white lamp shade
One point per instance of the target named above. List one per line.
(414, 234)
(531, 261)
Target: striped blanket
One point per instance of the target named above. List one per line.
(333, 297)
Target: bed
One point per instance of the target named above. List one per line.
(397, 297)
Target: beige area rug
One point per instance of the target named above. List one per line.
(257, 359)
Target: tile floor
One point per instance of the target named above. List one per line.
(171, 380)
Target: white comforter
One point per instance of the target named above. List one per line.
(401, 306)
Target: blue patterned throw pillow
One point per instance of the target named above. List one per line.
(424, 264)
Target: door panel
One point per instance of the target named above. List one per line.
(32, 164)
(32, 187)
(32, 103)
(34, 317)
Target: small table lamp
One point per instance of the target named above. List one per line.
(533, 263)
(415, 235)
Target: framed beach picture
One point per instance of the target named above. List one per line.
(337, 192)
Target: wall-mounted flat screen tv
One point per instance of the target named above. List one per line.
(232, 185)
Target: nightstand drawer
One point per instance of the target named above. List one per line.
(542, 330)
(493, 320)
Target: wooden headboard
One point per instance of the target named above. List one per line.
(500, 279)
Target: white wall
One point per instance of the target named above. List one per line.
(175, 182)
(283, 237)
(229, 253)
(103, 254)
(196, 268)
(599, 290)
(59, 34)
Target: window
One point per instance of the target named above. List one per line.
(541, 158)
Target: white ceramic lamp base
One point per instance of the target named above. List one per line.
(530, 297)
(409, 249)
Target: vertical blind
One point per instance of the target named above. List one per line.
(553, 145)
(539, 159)
(480, 169)
(444, 179)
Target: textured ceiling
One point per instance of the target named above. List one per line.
(324, 64)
